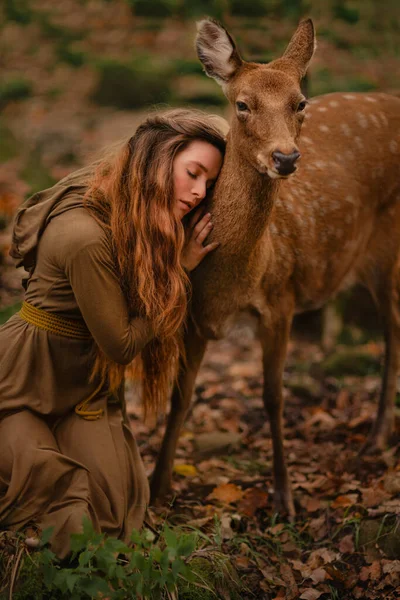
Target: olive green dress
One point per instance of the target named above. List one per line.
(55, 466)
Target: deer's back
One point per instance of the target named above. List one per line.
(339, 215)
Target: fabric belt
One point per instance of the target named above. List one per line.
(52, 322)
(69, 328)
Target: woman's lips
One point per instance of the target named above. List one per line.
(185, 206)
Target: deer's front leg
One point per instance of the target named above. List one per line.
(180, 401)
(274, 338)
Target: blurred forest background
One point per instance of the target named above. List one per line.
(79, 74)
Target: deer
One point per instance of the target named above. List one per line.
(298, 218)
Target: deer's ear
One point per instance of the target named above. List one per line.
(301, 47)
(217, 51)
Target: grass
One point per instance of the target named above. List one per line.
(155, 566)
(8, 312)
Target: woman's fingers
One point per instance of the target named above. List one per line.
(201, 225)
(196, 217)
(210, 247)
(203, 233)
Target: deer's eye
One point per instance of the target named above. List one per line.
(242, 106)
(301, 106)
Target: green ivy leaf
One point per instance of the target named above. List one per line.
(71, 580)
(170, 538)
(186, 545)
(46, 535)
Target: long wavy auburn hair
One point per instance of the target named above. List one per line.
(132, 195)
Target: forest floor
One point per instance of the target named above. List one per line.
(345, 541)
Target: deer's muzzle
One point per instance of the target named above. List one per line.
(285, 164)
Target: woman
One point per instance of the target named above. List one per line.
(107, 255)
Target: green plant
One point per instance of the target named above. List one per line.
(134, 84)
(9, 146)
(154, 8)
(18, 11)
(14, 89)
(8, 312)
(152, 567)
(101, 564)
(36, 174)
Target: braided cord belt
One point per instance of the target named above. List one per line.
(69, 328)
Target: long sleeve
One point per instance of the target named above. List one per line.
(95, 285)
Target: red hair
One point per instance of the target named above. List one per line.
(131, 194)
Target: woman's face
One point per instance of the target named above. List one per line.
(194, 169)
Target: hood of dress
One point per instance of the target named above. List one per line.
(36, 212)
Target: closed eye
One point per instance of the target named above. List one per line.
(192, 175)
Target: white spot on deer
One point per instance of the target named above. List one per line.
(273, 229)
(358, 142)
(345, 129)
(370, 99)
(289, 205)
(349, 198)
(349, 97)
(306, 139)
(348, 218)
(349, 154)
(383, 118)
(339, 232)
(324, 128)
(335, 184)
(362, 120)
(322, 109)
(393, 145)
(374, 119)
(333, 103)
(320, 164)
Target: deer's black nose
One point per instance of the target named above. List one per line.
(285, 163)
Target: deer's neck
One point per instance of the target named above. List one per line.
(241, 209)
(242, 204)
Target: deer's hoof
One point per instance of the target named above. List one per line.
(159, 491)
(284, 504)
(375, 444)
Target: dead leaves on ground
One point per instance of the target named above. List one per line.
(346, 540)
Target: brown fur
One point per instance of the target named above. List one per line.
(291, 245)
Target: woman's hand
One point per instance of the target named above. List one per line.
(194, 251)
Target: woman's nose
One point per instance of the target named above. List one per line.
(200, 190)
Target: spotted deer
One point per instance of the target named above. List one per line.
(291, 238)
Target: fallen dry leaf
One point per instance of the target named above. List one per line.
(346, 545)
(292, 591)
(227, 493)
(252, 500)
(319, 575)
(344, 501)
(310, 503)
(310, 594)
(186, 470)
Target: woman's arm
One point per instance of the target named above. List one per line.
(95, 284)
